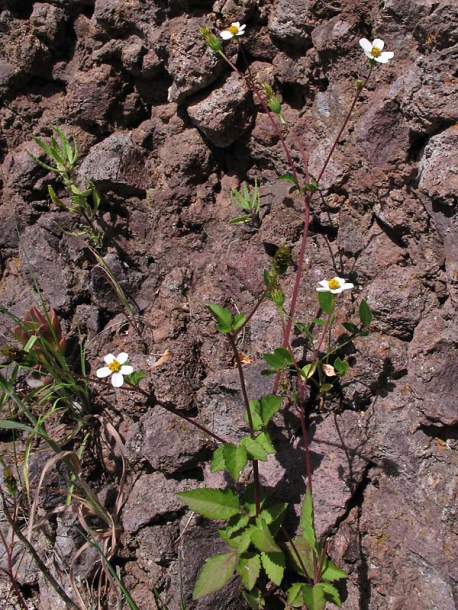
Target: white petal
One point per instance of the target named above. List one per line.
(367, 54)
(378, 43)
(323, 289)
(336, 290)
(226, 35)
(109, 358)
(366, 45)
(117, 380)
(241, 31)
(123, 357)
(103, 372)
(323, 283)
(384, 57)
(126, 369)
(340, 280)
(236, 24)
(347, 286)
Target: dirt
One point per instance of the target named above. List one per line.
(165, 130)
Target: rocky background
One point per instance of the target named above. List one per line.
(165, 130)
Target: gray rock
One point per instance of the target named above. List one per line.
(192, 64)
(152, 497)
(115, 163)
(166, 442)
(291, 22)
(225, 114)
(48, 23)
(433, 369)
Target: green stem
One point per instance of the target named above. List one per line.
(257, 485)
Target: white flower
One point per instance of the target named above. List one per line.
(374, 50)
(235, 29)
(335, 286)
(116, 368)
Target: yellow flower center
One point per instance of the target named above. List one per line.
(114, 366)
(333, 284)
(233, 29)
(376, 52)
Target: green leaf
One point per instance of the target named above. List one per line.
(314, 597)
(235, 458)
(218, 462)
(239, 219)
(295, 597)
(223, 317)
(326, 300)
(365, 314)
(302, 547)
(331, 572)
(319, 321)
(263, 539)
(249, 568)
(236, 523)
(331, 594)
(239, 321)
(341, 366)
(264, 409)
(215, 573)
(254, 449)
(309, 369)
(274, 565)
(7, 424)
(272, 513)
(326, 387)
(352, 328)
(274, 516)
(249, 499)
(254, 599)
(279, 359)
(307, 520)
(288, 177)
(265, 441)
(212, 503)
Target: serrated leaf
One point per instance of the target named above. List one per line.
(265, 441)
(223, 317)
(218, 462)
(215, 573)
(274, 566)
(302, 547)
(263, 539)
(235, 458)
(264, 409)
(249, 568)
(272, 513)
(212, 503)
(314, 597)
(236, 523)
(254, 599)
(254, 449)
(294, 595)
(274, 517)
(330, 593)
(307, 520)
(365, 313)
(352, 328)
(326, 300)
(331, 572)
